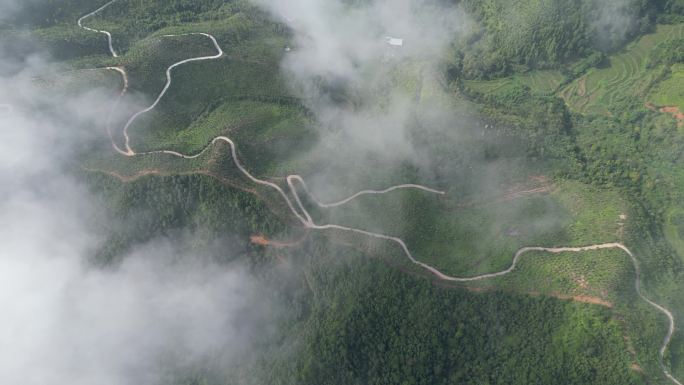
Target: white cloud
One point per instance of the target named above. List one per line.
(367, 95)
(64, 321)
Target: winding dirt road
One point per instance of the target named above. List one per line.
(110, 115)
(109, 35)
(135, 116)
(297, 178)
(302, 214)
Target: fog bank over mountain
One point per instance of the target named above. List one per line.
(65, 321)
(614, 20)
(373, 75)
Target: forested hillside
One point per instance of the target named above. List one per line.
(524, 34)
(544, 123)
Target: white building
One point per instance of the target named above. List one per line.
(393, 41)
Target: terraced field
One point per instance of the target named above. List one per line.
(626, 75)
(545, 82)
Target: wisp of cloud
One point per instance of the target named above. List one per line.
(65, 321)
(368, 96)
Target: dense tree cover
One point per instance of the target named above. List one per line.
(53, 23)
(370, 324)
(667, 53)
(153, 207)
(678, 221)
(672, 11)
(45, 13)
(134, 20)
(543, 122)
(636, 151)
(521, 34)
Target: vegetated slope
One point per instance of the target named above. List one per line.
(547, 33)
(130, 21)
(627, 75)
(621, 138)
(545, 82)
(247, 72)
(542, 144)
(488, 232)
(152, 207)
(668, 95)
(373, 325)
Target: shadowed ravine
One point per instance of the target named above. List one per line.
(300, 212)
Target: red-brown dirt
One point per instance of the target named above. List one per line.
(672, 110)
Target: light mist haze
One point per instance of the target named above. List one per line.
(65, 321)
(164, 308)
(368, 97)
(613, 21)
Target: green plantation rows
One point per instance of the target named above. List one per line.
(627, 74)
(542, 82)
(624, 74)
(247, 72)
(487, 234)
(155, 207)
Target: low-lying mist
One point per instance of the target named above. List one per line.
(371, 99)
(65, 321)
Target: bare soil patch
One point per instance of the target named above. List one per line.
(262, 240)
(672, 110)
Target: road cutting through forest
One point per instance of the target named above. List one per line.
(106, 33)
(302, 214)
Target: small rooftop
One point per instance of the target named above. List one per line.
(394, 41)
